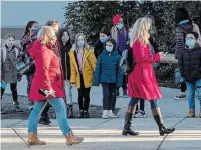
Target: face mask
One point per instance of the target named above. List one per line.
(120, 26)
(10, 44)
(104, 39)
(35, 31)
(80, 43)
(109, 48)
(189, 42)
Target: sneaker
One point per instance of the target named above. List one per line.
(81, 114)
(3, 111)
(182, 96)
(140, 114)
(44, 121)
(111, 114)
(16, 106)
(117, 94)
(86, 114)
(196, 97)
(30, 107)
(191, 113)
(105, 114)
(125, 94)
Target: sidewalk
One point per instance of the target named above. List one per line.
(103, 134)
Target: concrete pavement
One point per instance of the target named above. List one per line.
(103, 134)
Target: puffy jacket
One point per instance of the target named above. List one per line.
(89, 65)
(190, 64)
(108, 69)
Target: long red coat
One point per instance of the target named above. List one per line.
(48, 71)
(142, 81)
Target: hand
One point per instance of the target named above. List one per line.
(51, 93)
(72, 85)
(162, 55)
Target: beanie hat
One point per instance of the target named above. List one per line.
(116, 19)
(105, 30)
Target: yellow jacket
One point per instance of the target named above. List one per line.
(88, 68)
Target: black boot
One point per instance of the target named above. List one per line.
(16, 106)
(70, 111)
(128, 122)
(159, 120)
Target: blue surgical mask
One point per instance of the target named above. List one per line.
(189, 42)
(80, 43)
(109, 48)
(120, 26)
(35, 31)
(104, 39)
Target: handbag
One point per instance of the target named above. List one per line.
(178, 78)
(22, 67)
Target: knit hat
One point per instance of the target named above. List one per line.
(116, 19)
(105, 30)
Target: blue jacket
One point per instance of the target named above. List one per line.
(108, 69)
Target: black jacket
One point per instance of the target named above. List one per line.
(190, 64)
(65, 61)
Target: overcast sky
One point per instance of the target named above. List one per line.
(18, 13)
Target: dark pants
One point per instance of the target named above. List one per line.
(141, 105)
(83, 95)
(134, 102)
(124, 85)
(183, 87)
(109, 96)
(29, 80)
(13, 88)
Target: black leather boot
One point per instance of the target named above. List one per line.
(128, 122)
(159, 120)
(70, 111)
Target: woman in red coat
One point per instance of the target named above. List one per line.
(142, 81)
(48, 77)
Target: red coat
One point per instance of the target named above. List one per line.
(48, 71)
(142, 81)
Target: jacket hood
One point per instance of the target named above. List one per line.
(35, 48)
(186, 26)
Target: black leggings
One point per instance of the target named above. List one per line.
(141, 105)
(13, 87)
(83, 95)
(183, 87)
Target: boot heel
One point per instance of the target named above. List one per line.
(124, 133)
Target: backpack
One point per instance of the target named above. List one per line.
(130, 61)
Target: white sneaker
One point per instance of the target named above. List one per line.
(111, 114)
(140, 114)
(105, 114)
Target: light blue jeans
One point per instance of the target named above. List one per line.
(60, 109)
(192, 87)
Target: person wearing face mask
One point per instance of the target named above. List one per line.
(48, 78)
(109, 74)
(54, 24)
(9, 54)
(82, 64)
(120, 34)
(28, 37)
(103, 37)
(64, 40)
(189, 64)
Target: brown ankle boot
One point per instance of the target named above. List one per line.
(71, 139)
(33, 140)
(191, 113)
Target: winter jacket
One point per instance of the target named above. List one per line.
(98, 49)
(181, 31)
(108, 69)
(88, 68)
(190, 64)
(48, 73)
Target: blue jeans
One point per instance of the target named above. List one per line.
(192, 87)
(134, 102)
(60, 109)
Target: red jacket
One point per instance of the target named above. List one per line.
(142, 81)
(48, 71)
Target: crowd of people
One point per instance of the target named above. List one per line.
(121, 58)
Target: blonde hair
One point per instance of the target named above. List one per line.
(46, 33)
(9, 35)
(140, 30)
(86, 45)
